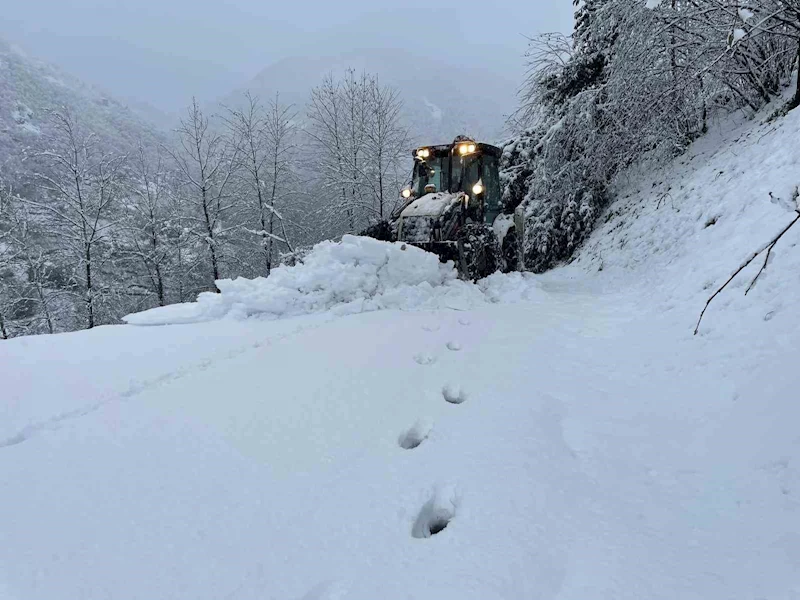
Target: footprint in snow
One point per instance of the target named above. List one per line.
(416, 435)
(431, 327)
(454, 346)
(436, 514)
(423, 358)
(465, 321)
(454, 394)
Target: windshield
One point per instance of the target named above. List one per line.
(466, 173)
(434, 170)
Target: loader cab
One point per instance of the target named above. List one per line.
(463, 166)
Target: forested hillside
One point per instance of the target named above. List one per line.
(636, 81)
(100, 216)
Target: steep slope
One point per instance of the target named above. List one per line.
(29, 88)
(562, 436)
(441, 100)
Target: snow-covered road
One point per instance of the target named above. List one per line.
(598, 452)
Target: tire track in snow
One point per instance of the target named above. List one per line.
(137, 387)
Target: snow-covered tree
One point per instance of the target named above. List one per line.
(357, 141)
(81, 184)
(266, 138)
(387, 140)
(148, 230)
(29, 282)
(206, 162)
(640, 78)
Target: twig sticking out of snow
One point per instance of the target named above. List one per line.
(768, 247)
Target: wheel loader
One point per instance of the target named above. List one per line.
(453, 208)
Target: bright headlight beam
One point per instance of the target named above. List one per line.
(467, 148)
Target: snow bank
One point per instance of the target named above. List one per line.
(352, 276)
(678, 231)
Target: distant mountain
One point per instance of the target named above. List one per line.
(29, 88)
(441, 100)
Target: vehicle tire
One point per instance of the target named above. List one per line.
(510, 251)
(479, 252)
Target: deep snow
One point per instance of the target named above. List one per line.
(566, 436)
(352, 276)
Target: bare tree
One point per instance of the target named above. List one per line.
(358, 139)
(206, 163)
(327, 132)
(81, 185)
(387, 140)
(266, 144)
(6, 256)
(35, 295)
(148, 221)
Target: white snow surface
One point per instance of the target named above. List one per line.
(582, 443)
(352, 276)
(430, 205)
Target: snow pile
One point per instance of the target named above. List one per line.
(510, 288)
(352, 276)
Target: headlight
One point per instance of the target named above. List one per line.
(423, 153)
(477, 189)
(468, 148)
(406, 193)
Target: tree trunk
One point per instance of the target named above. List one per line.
(45, 308)
(795, 102)
(157, 263)
(271, 240)
(212, 251)
(380, 182)
(160, 286)
(273, 195)
(89, 289)
(3, 330)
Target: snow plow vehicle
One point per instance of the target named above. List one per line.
(453, 208)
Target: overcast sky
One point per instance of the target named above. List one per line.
(164, 51)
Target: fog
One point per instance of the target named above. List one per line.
(164, 51)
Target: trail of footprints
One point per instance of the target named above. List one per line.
(439, 510)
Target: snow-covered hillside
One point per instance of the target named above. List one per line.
(29, 88)
(562, 436)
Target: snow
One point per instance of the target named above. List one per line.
(354, 275)
(581, 444)
(430, 205)
(30, 128)
(21, 114)
(738, 34)
(418, 218)
(745, 14)
(436, 112)
(55, 81)
(501, 226)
